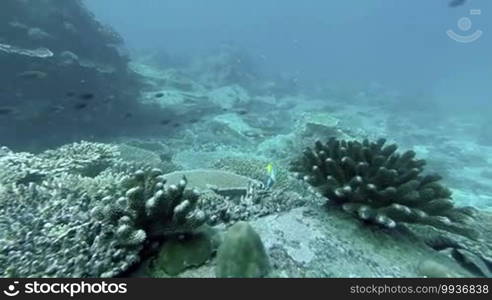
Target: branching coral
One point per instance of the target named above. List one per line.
(150, 205)
(378, 185)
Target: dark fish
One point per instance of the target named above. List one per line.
(165, 122)
(32, 74)
(159, 95)
(80, 106)
(176, 125)
(193, 121)
(456, 3)
(242, 112)
(6, 110)
(86, 96)
(70, 94)
(128, 115)
(5, 90)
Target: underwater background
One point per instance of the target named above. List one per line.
(245, 138)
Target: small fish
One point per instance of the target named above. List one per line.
(165, 122)
(176, 125)
(86, 96)
(456, 3)
(6, 110)
(70, 94)
(80, 106)
(242, 112)
(32, 74)
(128, 115)
(270, 178)
(109, 99)
(159, 95)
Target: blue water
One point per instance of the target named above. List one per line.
(401, 44)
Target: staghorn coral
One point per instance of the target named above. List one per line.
(376, 184)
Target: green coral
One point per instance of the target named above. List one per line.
(377, 184)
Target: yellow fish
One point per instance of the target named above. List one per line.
(270, 178)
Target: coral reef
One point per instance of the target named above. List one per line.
(378, 185)
(160, 210)
(88, 218)
(255, 203)
(177, 255)
(205, 179)
(256, 168)
(242, 254)
(228, 197)
(84, 158)
(46, 230)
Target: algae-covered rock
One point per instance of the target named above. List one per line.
(178, 255)
(242, 254)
